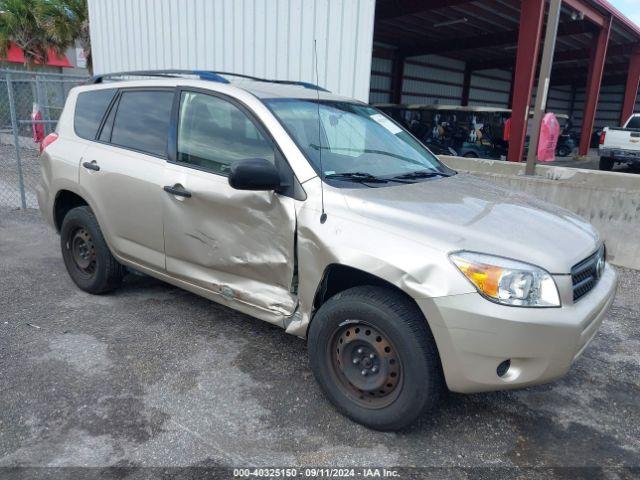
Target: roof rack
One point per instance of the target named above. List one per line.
(202, 74)
(210, 75)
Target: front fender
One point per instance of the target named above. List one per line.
(415, 268)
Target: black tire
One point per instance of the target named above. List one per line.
(563, 151)
(606, 163)
(470, 155)
(418, 383)
(86, 254)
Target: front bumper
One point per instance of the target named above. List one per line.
(475, 335)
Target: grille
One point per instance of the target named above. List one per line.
(585, 275)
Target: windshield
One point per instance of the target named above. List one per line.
(353, 138)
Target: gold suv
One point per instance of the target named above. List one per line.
(322, 215)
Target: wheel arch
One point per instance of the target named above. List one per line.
(65, 200)
(338, 277)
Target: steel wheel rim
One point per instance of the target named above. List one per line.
(366, 364)
(83, 251)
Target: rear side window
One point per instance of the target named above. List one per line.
(90, 108)
(634, 122)
(142, 121)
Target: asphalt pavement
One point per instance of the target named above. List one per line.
(152, 376)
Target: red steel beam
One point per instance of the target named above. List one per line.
(631, 92)
(589, 12)
(630, 24)
(531, 17)
(594, 79)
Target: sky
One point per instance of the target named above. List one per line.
(631, 8)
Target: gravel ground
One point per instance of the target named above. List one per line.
(9, 182)
(152, 376)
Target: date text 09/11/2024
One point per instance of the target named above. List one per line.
(316, 472)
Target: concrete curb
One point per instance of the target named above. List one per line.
(609, 200)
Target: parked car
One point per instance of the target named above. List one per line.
(325, 217)
(620, 145)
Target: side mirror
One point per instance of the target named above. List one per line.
(254, 174)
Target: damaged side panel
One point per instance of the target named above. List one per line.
(417, 269)
(237, 244)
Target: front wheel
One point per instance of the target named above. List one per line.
(86, 254)
(375, 358)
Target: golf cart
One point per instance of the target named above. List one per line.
(469, 131)
(444, 129)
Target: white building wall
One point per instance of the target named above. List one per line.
(265, 38)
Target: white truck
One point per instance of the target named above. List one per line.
(620, 144)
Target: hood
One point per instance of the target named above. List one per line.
(464, 212)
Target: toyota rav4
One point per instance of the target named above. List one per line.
(325, 217)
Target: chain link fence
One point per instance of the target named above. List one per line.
(30, 106)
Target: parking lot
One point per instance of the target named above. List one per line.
(155, 376)
(9, 183)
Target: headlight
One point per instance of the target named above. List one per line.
(507, 281)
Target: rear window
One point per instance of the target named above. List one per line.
(90, 108)
(634, 123)
(142, 121)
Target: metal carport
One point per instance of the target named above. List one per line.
(486, 52)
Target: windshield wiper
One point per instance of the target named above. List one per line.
(367, 150)
(422, 174)
(356, 177)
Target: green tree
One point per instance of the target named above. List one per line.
(21, 22)
(37, 26)
(66, 21)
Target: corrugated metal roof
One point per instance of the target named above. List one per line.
(484, 33)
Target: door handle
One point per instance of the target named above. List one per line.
(177, 191)
(91, 166)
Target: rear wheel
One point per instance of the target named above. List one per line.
(86, 254)
(563, 151)
(373, 354)
(606, 163)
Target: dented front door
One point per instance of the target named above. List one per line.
(238, 245)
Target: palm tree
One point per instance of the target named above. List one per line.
(21, 22)
(66, 21)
